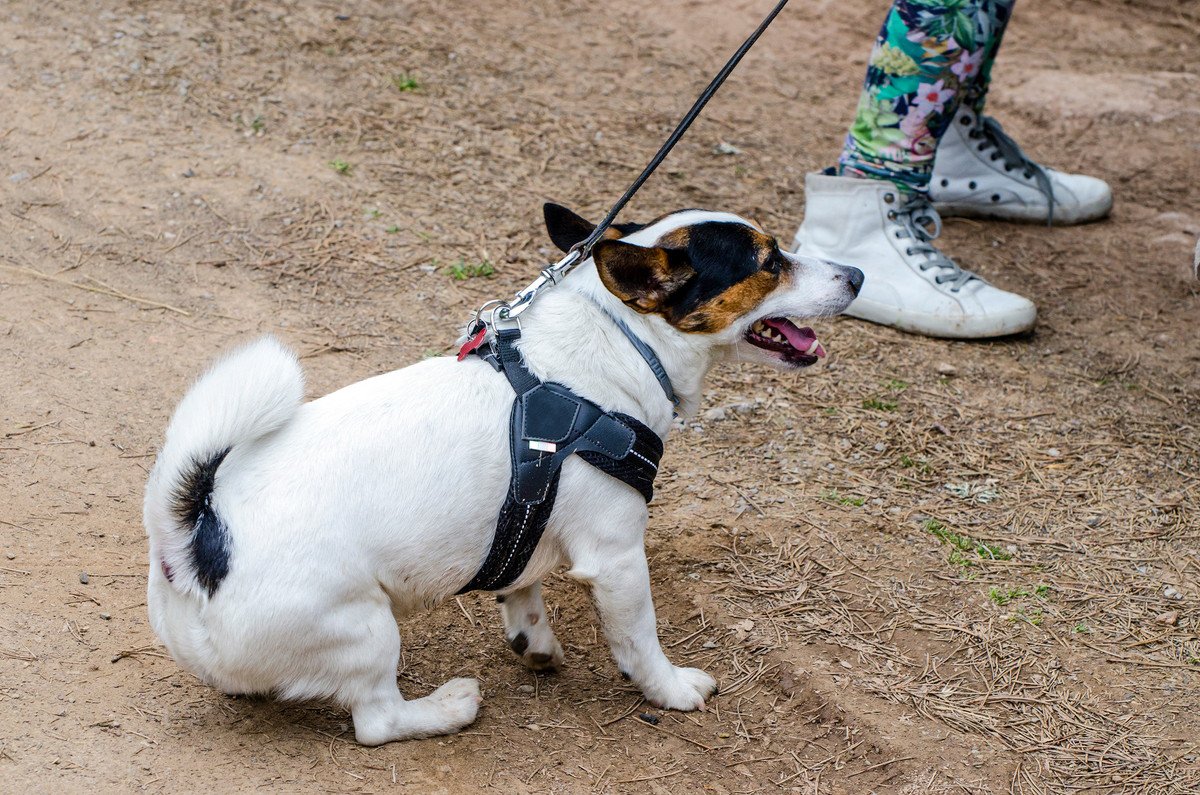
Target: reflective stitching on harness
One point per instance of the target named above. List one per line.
(647, 460)
(520, 533)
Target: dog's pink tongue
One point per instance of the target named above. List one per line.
(799, 338)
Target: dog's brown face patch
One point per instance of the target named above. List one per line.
(733, 267)
(728, 306)
(702, 278)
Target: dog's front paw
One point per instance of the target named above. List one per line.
(687, 690)
(540, 651)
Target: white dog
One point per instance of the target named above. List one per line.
(285, 536)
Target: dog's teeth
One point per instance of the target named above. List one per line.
(812, 347)
(759, 327)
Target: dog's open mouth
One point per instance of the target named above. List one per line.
(796, 346)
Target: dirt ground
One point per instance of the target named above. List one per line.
(925, 566)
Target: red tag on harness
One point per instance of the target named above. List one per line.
(472, 343)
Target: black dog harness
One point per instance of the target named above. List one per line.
(550, 422)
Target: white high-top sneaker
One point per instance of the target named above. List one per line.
(909, 284)
(980, 172)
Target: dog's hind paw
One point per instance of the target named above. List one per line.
(459, 700)
(686, 691)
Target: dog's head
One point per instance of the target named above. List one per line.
(716, 274)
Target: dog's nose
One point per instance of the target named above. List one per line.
(854, 277)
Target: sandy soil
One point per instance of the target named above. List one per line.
(924, 567)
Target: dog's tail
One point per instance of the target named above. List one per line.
(251, 392)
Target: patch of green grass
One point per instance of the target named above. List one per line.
(922, 466)
(1034, 616)
(833, 496)
(405, 82)
(829, 411)
(374, 212)
(393, 229)
(1042, 591)
(255, 124)
(896, 385)
(462, 270)
(957, 558)
(1002, 596)
(341, 166)
(1082, 628)
(966, 551)
(879, 405)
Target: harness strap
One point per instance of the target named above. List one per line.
(648, 354)
(511, 363)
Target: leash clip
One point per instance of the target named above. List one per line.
(549, 277)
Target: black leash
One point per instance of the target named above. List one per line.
(585, 247)
(498, 310)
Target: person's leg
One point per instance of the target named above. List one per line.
(991, 21)
(874, 211)
(929, 57)
(980, 171)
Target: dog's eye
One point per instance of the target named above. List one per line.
(774, 263)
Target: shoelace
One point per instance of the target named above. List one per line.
(913, 216)
(1006, 149)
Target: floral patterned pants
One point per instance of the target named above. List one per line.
(931, 56)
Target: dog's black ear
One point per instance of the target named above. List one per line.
(644, 278)
(567, 228)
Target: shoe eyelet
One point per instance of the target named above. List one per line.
(908, 253)
(995, 156)
(995, 197)
(889, 197)
(1008, 169)
(971, 184)
(981, 147)
(891, 215)
(945, 183)
(966, 120)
